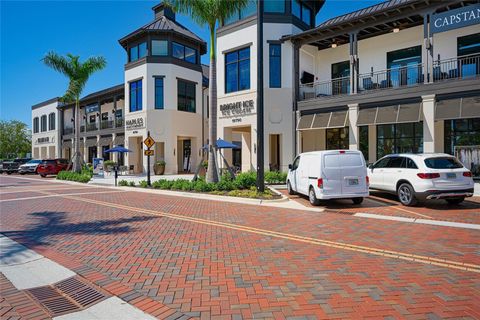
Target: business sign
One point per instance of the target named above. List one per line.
(136, 123)
(457, 18)
(239, 108)
(98, 166)
(92, 108)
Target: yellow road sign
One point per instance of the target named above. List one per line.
(148, 152)
(149, 142)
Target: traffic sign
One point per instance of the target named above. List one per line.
(148, 152)
(149, 142)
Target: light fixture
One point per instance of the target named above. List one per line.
(334, 45)
(396, 30)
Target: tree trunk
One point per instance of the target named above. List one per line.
(76, 156)
(212, 173)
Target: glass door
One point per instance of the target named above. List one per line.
(404, 66)
(341, 77)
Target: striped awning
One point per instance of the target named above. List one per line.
(91, 142)
(119, 139)
(459, 108)
(67, 144)
(105, 141)
(325, 120)
(401, 113)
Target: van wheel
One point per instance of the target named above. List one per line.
(312, 197)
(406, 195)
(289, 189)
(455, 200)
(357, 200)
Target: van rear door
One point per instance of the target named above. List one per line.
(354, 172)
(331, 174)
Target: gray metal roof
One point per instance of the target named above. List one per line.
(45, 103)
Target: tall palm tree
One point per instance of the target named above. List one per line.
(78, 73)
(210, 13)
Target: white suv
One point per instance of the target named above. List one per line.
(418, 177)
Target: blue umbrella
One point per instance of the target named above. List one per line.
(118, 149)
(222, 144)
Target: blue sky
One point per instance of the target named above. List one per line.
(29, 29)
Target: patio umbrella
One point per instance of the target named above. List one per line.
(118, 149)
(223, 144)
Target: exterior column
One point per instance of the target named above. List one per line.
(353, 132)
(295, 97)
(298, 135)
(114, 154)
(428, 45)
(353, 63)
(99, 147)
(428, 110)
(85, 148)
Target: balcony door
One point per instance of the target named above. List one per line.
(404, 66)
(468, 52)
(341, 77)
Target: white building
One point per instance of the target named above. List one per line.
(46, 130)
(166, 89)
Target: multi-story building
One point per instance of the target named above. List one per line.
(101, 124)
(237, 80)
(165, 85)
(46, 133)
(400, 76)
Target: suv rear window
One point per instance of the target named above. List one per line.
(49, 162)
(443, 163)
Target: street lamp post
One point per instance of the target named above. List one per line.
(260, 129)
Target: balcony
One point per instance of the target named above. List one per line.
(467, 67)
(68, 130)
(119, 122)
(106, 124)
(92, 126)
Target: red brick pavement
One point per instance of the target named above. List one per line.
(207, 271)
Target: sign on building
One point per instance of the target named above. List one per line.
(457, 18)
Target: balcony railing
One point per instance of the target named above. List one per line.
(106, 124)
(326, 88)
(119, 122)
(466, 67)
(92, 126)
(68, 130)
(410, 75)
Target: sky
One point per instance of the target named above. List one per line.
(30, 29)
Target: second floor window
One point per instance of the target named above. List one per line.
(35, 125)
(43, 123)
(158, 93)
(159, 48)
(249, 10)
(186, 96)
(237, 70)
(136, 96)
(275, 65)
(275, 6)
(137, 52)
(51, 121)
(184, 53)
(301, 11)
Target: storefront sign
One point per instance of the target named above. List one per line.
(43, 140)
(236, 109)
(136, 123)
(457, 18)
(92, 108)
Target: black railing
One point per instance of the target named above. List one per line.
(466, 67)
(410, 75)
(92, 126)
(106, 124)
(67, 130)
(326, 88)
(119, 122)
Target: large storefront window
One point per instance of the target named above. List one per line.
(337, 138)
(461, 132)
(363, 133)
(399, 138)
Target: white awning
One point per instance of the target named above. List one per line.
(400, 113)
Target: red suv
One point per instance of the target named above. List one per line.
(52, 166)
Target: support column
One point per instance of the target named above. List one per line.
(353, 63)
(428, 110)
(114, 154)
(428, 45)
(353, 132)
(99, 147)
(295, 97)
(85, 148)
(298, 136)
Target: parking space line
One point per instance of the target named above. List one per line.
(49, 195)
(382, 201)
(332, 244)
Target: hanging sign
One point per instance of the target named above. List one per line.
(456, 18)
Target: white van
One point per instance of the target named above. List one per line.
(332, 174)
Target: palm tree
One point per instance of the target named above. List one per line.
(210, 13)
(78, 74)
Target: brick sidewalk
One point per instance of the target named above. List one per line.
(209, 271)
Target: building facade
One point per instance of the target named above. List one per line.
(166, 89)
(400, 76)
(46, 133)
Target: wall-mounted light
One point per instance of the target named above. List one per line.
(113, 111)
(396, 30)
(334, 45)
(73, 120)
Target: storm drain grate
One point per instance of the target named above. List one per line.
(66, 296)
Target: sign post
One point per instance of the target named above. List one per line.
(149, 142)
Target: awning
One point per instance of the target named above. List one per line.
(448, 109)
(91, 142)
(387, 115)
(325, 120)
(470, 107)
(67, 144)
(409, 112)
(367, 116)
(401, 113)
(119, 139)
(105, 141)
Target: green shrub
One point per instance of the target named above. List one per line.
(225, 184)
(163, 184)
(143, 184)
(182, 184)
(74, 176)
(131, 183)
(245, 180)
(275, 177)
(161, 163)
(109, 163)
(203, 186)
(123, 183)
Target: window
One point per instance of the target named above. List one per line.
(468, 44)
(443, 163)
(405, 65)
(51, 121)
(237, 70)
(136, 96)
(296, 162)
(396, 162)
(302, 12)
(119, 113)
(159, 93)
(43, 123)
(184, 53)
(186, 96)
(337, 138)
(411, 164)
(35, 125)
(399, 138)
(159, 48)
(137, 52)
(249, 10)
(275, 53)
(105, 116)
(461, 132)
(363, 132)
(382, 163)
(275, 6)
(341, 73)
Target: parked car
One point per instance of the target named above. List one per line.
(29, 167)
(52, 166)
(333, 174)
(419, 177)
(12, 166)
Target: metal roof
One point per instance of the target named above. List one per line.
(45, 103)
(104, 93)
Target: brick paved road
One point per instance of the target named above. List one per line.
(175, 256)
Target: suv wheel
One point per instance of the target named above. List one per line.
(289, 188)
(312, 197)
(455, 200)
(357, 200)
(406, 195)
